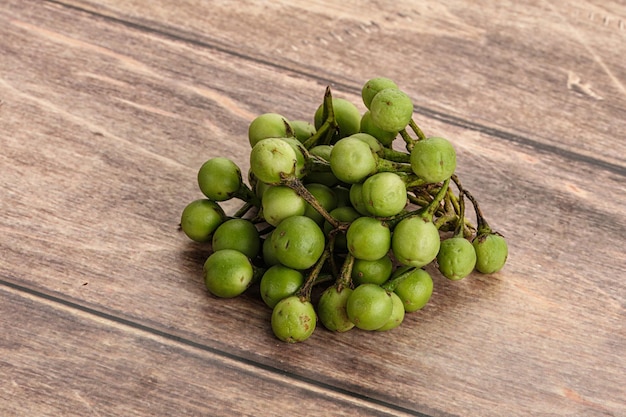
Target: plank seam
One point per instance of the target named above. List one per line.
(507, 136)
(203, 347)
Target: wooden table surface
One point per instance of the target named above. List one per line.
(108, 109)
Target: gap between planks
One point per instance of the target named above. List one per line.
(227, 359)
(350, 87)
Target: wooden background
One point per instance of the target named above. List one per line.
(108, 108)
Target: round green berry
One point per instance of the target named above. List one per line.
(397, 314)
(391, 109)
(268, 125)
(279, 282)
(227, 273)
(293, 320)
(298, 242)
(491, 252)
(238, 234)
(415, 241)
(272, 158)
(352, 160)
(368, 238)
(368, 126)
(302, 129)
(414, 289)
(384, 194)
(280, 202)
(331, 309)
(373, 86)
(372, 272)
(369, 307)
(219, 179)
(456, 258)
(200, 218)
(433, 159)
(347, 115)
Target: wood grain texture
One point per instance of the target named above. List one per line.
(69, 361)
(456, 59)
(108, 109)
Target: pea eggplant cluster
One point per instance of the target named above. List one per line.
(354, 204)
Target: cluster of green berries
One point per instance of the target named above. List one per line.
(330, 204)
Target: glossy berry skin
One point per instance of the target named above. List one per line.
(352, 160)
(373, 86)
(279, 282)
(280, 202)
(268, 252)
(219, 179)
(272, 157)
(227, 273)
(331, 309)
(456, 258)
(356, 199)
(368, 126)
(302, 129)
(293, 320)
(415, 290)
(491, 252)
(384, 194)
(372, 272)
(368, 238)
(371, 141)
(268, 125)
(200, 218)
(369, 307)
(391, 110)
(415, 241)
(238, 234)
(298, 242)
(397, 314)
(433, 159)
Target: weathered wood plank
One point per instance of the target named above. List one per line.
(61, 360)
(100, 146)
(537, 72)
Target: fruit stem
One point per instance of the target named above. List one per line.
(305, 291)
(385, 165)
(430, 210)
(408, 140)
(452, 202)
(243, 209)
(332, 238)
(426, 212)
(392, 283)
(327, 130)
(315, 163)
(395, 156)
(246, 194)
(296, 185)
(418, 201)
(411, 180)
(315, 138)
(445, 219)
(322, 278)
(460, 226)
(417, 130)
(257, 274)
(345, 276)
(482, 226)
